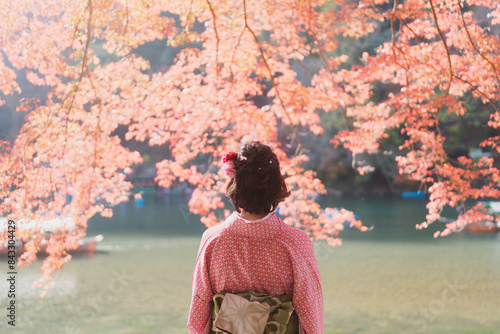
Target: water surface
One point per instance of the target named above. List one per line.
(393, 279)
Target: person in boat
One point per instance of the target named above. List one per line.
(253, 263)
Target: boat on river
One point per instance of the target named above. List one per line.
(413, 194)
(492, 208)
(485, 227)
(85, 244)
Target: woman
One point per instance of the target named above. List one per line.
(254, 250)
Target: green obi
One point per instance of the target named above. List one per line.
(250, 312)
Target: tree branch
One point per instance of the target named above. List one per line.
(214, 17)
(479, 91)
(126, 18)
(234, 52)
(473, 44)
(300, 148)
(412, 31)
(393, 30)
(184, 27)
(441, 36)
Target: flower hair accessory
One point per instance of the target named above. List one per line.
(228, 163)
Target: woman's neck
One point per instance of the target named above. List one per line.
(252, 216)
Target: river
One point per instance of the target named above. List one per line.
(393, 279)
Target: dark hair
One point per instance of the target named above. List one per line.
(258, 186)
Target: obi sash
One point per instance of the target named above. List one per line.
(253, 313)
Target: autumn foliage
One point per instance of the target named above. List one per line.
(68, 162)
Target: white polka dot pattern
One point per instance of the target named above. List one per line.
(265, 256)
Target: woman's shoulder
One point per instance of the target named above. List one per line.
(295, 232)
(212, 232)
(295, 236)
(216, 231)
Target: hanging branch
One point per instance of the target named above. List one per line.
(393, 30)
(126, 18)
(473, 44)
(300, 148)
(323, 57)
(83, 67)
(441, 36)
(411, 30)
(214, 17)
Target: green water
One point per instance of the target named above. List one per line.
(393, 279)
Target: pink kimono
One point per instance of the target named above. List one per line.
(265, 256)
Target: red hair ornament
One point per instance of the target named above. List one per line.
(228, 164)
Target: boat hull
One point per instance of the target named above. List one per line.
(85, 245)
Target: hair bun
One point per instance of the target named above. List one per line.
(258, 185)
(250, 155)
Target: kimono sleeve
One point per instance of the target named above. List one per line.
(307, 293)
(201, 301)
